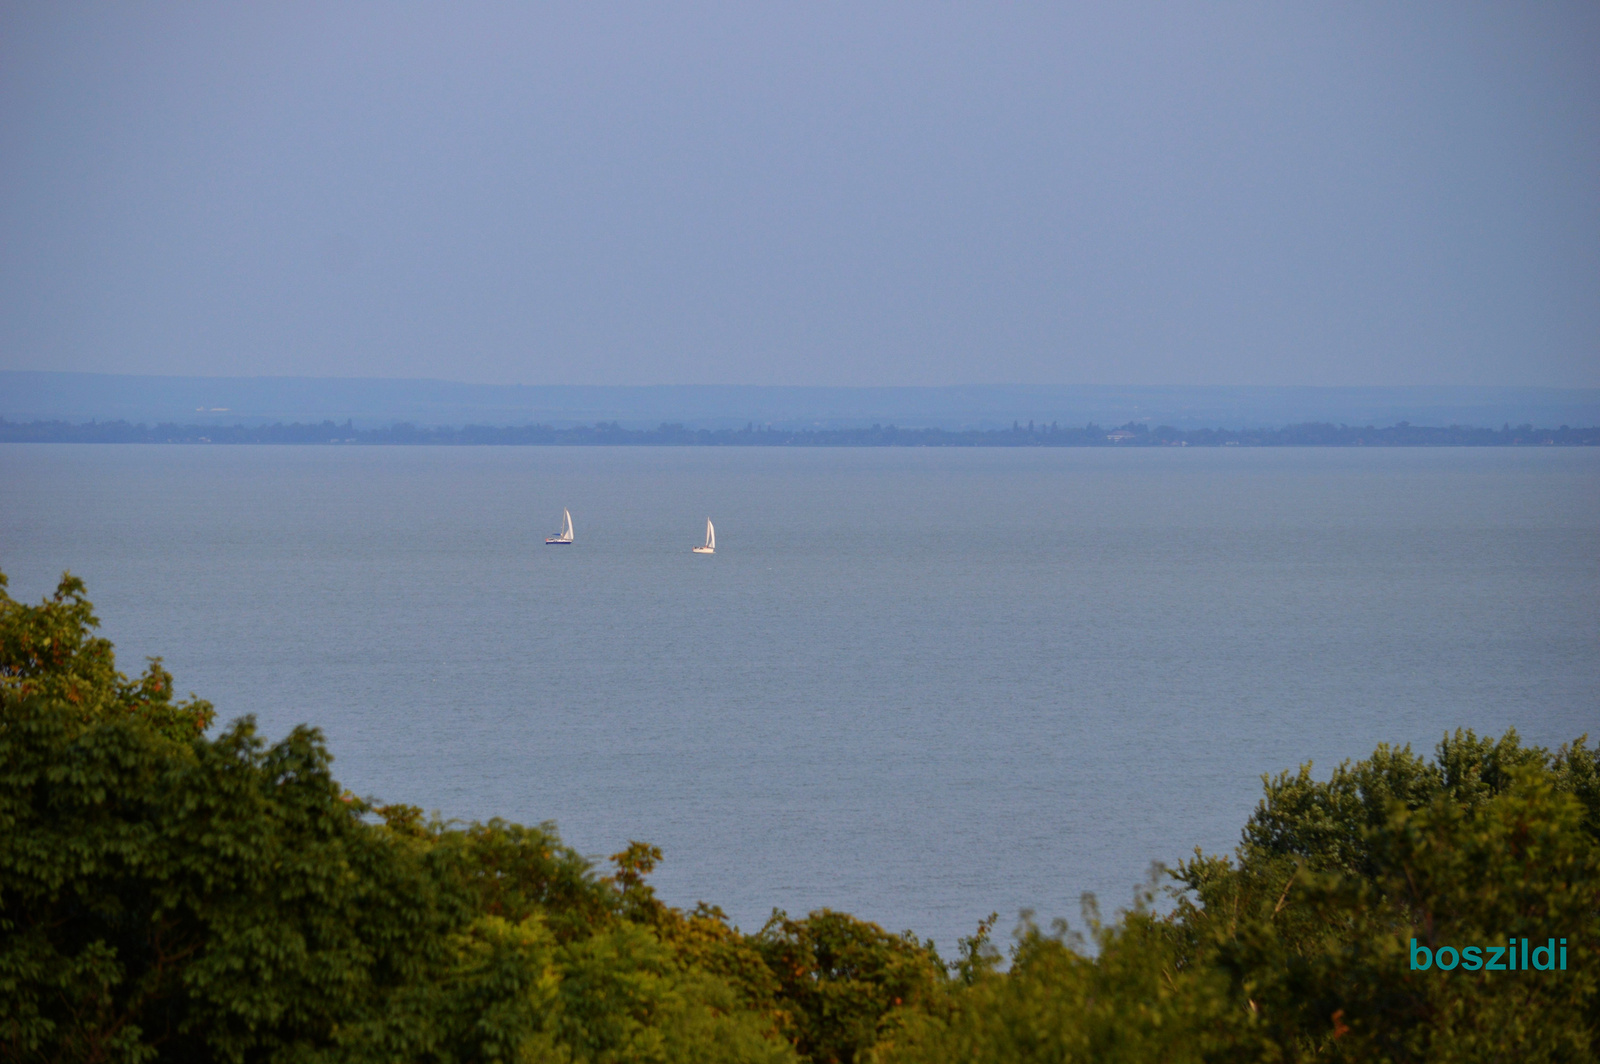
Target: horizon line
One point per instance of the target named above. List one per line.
(831, 387)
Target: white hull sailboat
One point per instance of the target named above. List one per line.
(565, 535)
(711, 540)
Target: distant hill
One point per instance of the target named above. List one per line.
(373, 403)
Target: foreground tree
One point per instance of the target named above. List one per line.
(1333, 883)
(1299, 947)
(165, 895)
(168, 896)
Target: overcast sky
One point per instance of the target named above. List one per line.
(808, 193)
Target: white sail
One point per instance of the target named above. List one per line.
(711, 540)
(565, 535)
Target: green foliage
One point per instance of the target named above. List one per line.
(1297, 948)
(842, 977)
(222, 896)
(1132, 1002)
(48, 652)
(169, 895)
(166, 893)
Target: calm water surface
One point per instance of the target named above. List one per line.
(918, 685)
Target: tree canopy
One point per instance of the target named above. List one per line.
(174, 892)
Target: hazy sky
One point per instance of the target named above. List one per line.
(805, 193)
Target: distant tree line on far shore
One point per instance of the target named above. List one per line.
(611, 433)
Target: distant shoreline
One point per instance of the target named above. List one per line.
(36, 397)
(612, 434)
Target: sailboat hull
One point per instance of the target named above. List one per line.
(558, 543)
(703, 550)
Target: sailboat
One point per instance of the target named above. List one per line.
(565, 535)
(711, 540)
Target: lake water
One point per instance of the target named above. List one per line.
(917, 685)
